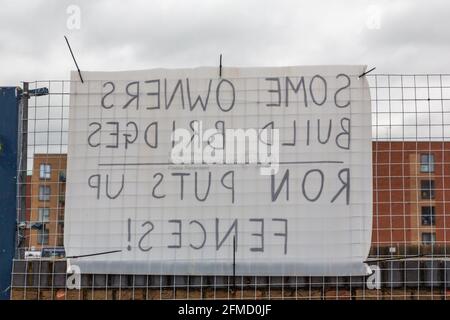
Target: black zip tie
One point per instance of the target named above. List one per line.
(220, 66)
(363, 74)
(93, 254)
(396, 258)
(74, 60)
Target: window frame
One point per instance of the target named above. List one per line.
(43, 196)
(428, 165)
(431, 216)
(40, 215)
(45, 174)
(43, 236)
(431, 190)
(432, 239)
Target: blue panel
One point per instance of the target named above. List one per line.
(8, 170)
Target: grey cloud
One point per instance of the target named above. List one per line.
(118, 35)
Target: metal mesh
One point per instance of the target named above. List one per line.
(411, 192)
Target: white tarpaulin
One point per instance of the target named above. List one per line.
(131, 201)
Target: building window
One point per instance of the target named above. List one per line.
(45, 171)
(44, 215)
(43, 235)
(44, 193)
(428, 217)
(426, 163)
(428, 238)
(427, 189)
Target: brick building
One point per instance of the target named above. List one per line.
(411, 184)
(47, 197)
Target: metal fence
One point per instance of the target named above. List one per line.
(411, 209)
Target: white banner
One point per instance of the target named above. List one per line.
(167, 168)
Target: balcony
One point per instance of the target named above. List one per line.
(62, 176)
(62, 199)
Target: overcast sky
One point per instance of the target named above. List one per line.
(403, 36)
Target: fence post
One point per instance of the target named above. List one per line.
(9, 101)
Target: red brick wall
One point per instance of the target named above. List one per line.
(396, 188)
